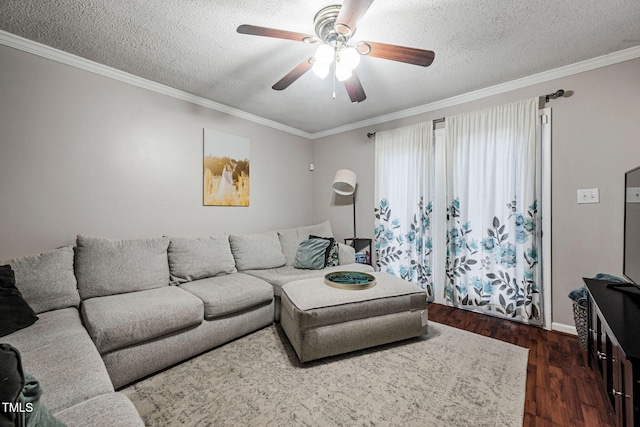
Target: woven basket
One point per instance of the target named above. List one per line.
(580, 317)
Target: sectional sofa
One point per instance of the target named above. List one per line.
(114, 311)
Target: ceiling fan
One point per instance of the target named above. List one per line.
(334, 27)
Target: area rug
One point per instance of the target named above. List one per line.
(449, 377)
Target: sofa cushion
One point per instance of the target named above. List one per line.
(108, 267)
(15, 313)
(290, 238)
(58, 351)
(116, 321)
(47, 281)
(193, 259)
(346, 254)
(312, 254)
(289, 243)
(224, 295)
(257, 251)
(107, 410)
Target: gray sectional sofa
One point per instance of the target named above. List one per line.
(114, 311)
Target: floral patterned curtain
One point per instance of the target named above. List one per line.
(493, 237)
(403, 195)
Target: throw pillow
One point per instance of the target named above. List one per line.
(311, 254)
(331, 258)
(334, 255)
(15, 313)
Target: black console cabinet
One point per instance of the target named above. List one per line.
(614, 347)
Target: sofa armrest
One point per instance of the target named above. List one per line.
(346, 254)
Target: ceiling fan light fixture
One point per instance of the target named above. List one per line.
(321, 70)
(325, 54)
(343, 71)
(335, 25)
(350, 57)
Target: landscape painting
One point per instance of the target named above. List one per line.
(225, 169)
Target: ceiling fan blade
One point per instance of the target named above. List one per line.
(350, 14)
(409, 55)
(294, 74)
(254, 30)
(354, 88)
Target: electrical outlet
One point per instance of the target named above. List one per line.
(311, 167)
(588, 195)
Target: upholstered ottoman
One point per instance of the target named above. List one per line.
(321, 321)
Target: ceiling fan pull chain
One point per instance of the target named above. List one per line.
(334, 79)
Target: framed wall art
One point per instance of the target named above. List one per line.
(225, 169)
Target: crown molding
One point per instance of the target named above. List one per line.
(568, 70)
(49, 52)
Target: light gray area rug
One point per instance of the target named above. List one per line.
(448, 378)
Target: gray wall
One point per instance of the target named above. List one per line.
(596, 138)
(82, 153)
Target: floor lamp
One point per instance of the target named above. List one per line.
(344, 184)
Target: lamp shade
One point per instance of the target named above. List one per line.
(345, 182)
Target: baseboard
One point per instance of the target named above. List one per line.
(561, 327)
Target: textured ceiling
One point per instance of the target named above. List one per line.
(193, 46)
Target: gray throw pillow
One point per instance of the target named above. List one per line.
(311, 254)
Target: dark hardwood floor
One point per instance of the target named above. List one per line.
(561, 388)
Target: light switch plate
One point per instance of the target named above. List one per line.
(588, 195)
(633, 194)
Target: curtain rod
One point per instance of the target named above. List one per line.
(557, 94)
(440, 120)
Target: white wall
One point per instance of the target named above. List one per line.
(596, 138)
(82, 153)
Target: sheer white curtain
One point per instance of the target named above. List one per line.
(403, 197)
(493, 224)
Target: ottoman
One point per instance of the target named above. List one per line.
(321, 321)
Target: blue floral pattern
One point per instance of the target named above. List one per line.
(496, 269)
(404, 249)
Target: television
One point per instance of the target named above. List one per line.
(631, 254)
(631, 242)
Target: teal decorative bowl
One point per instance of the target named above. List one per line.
(351, 280)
